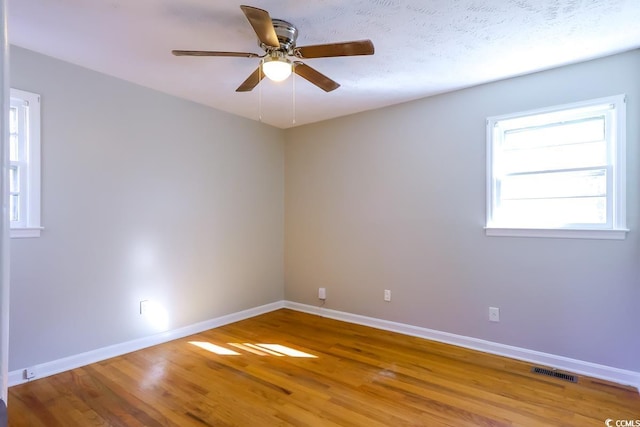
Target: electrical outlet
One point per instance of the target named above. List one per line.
(387, 295)
(144, 307)
(30, 373)
(494, 314)
(322, 293)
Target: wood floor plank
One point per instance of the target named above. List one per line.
(245, 374)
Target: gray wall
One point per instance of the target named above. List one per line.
(145, 196)
(395, 199)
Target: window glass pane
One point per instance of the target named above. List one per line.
(555, 167)
(561, 114)
(570, 132)
(552, 213)
(14, 213)
(589, 183)
(555, 157)
(13, 120)
(24, 166)
(13, 148)
(14, 183)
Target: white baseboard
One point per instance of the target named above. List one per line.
(616, 375)
(93, 356)
(595, 370)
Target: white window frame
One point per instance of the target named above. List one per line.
(28, 104)
(616, 165)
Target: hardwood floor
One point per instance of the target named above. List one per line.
(358, 376)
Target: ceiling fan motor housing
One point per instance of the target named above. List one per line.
(287, 34)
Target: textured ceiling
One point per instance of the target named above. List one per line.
(423, 47)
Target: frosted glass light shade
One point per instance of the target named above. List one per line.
(277, 69)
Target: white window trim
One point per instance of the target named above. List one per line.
(565, 233)
(618, 229)
(33, 225)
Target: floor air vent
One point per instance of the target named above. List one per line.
(555, 374)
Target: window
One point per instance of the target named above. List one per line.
(24, 164)
(558, 171)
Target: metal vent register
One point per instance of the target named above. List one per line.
(555, 374)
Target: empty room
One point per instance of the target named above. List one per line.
(322, 213)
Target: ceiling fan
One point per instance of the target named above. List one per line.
(278, 39)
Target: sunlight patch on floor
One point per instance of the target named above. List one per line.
(249, 348)
(266, 350)
(277, 350)
(287, 351)
(214, 348)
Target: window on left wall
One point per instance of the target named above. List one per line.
(24, 164)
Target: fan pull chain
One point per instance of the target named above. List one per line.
(293, 82)
(260, 90)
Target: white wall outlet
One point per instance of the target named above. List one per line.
(322, 293)
(494, 314)
(144, 306)
(387, 295)
(30, 373)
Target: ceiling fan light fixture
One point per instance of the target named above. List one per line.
(276, 68)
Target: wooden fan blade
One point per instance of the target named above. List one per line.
(252, 81)
(315, 77)
(214, 53)
(359, 47)
(262, 25)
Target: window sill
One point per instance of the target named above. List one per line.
(618, 234)
(25, 233)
